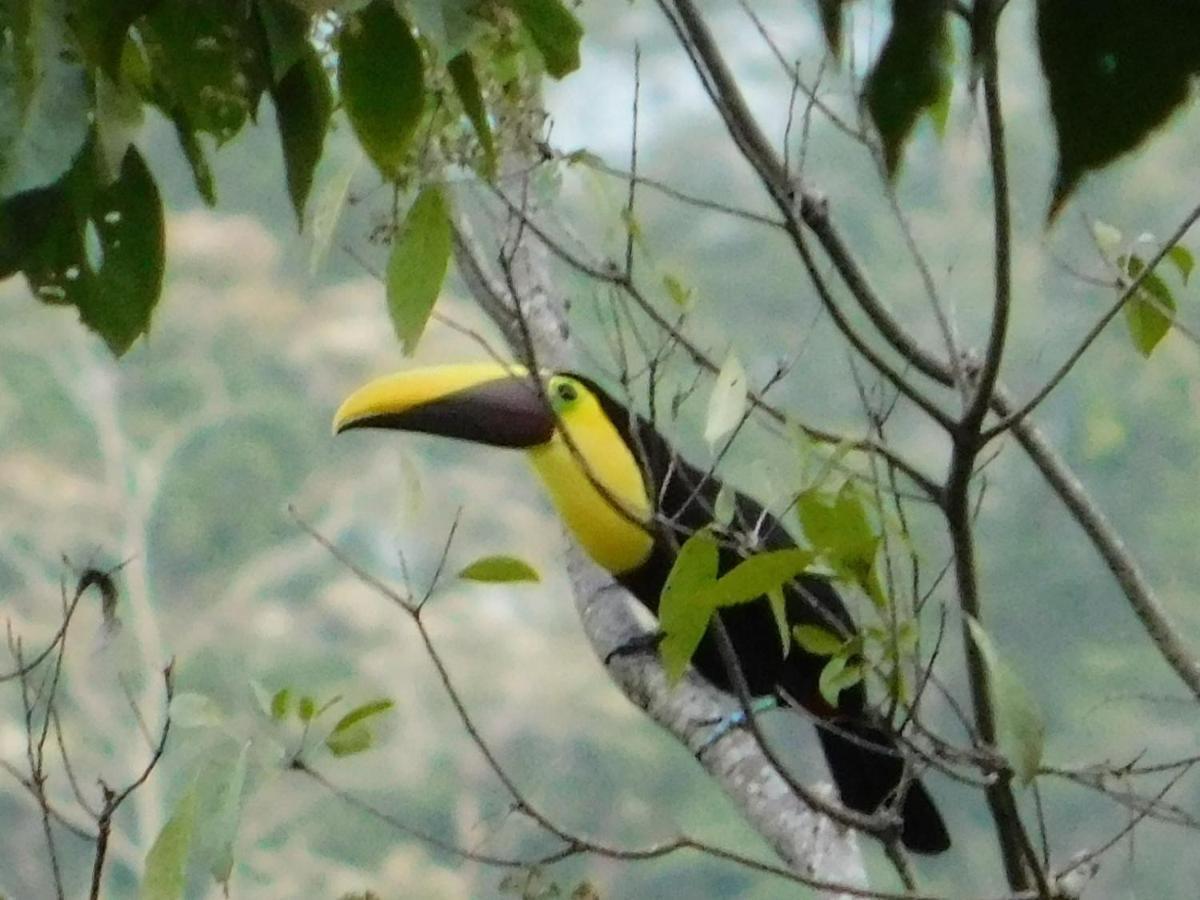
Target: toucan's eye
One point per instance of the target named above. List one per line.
(566, 392)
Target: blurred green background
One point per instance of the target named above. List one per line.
(184, 457)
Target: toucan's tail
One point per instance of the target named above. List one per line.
(867, 768)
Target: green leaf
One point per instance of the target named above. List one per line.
(417, 266)
(165, 875)
(725, 506)
(1108, 238)
(837, 675)
(327, 210)
(286, 28)
(193, 152)
(95, 247)
(351, 734)
(307, 709)
(499, 570)
(816, 640)
(303, 106)
(45, 99)
(354, 739)
(363, 712)
(118, 120)
(223, 825)
(683, 612)
(466, 86)
(555, 32)
(382, 84)
(758, 575)
(1149, 312)
(838, 527)
(727, 403)
(280, 703)
(1114, 76)
(1020, 730)
(680, 294)
(778, 604)
(101, 28)
(1181, 258)
(208, 62)
(911, 75)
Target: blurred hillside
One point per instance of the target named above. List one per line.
(184, 457)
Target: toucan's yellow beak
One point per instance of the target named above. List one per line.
(487, 403)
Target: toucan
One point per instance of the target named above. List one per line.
(631, 501)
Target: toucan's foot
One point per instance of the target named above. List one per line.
(643, 643)
(736, 719)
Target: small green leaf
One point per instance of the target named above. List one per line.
(817, 641)
(382, 82)
(727, 403)
(1108, 238)
(724, 506)
(499, 570)
(680, 294)
(165, 874)
(1181, 257)
(349, 741)
(352, 734)
(222, 828)
(280, 703)
(683, 612)
(417, 266)
(555, 32)
(303, 105)
(758, 575)
(778, 603)
(307, 709)
(363, 712)
(1020, 730)
(838, 675)
(466, 86)
(1149, 312)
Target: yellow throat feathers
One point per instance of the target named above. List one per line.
(611, 536)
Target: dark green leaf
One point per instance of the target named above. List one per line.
(286, 27)
(816, 640)
(101, 27)
(165, 875)
(499, 570)
(683, 612)
(45, 99)
(417, 266)
(1020, 730)
(303, 105)
(208, 62)
(555, 32)
(1149, 312)
(466, 86)
(911, 75)
(97, 248)
(280, 703)
(193, 152)
(1115, 74)
(1181, 258)
(831, 24)
(381, 79)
